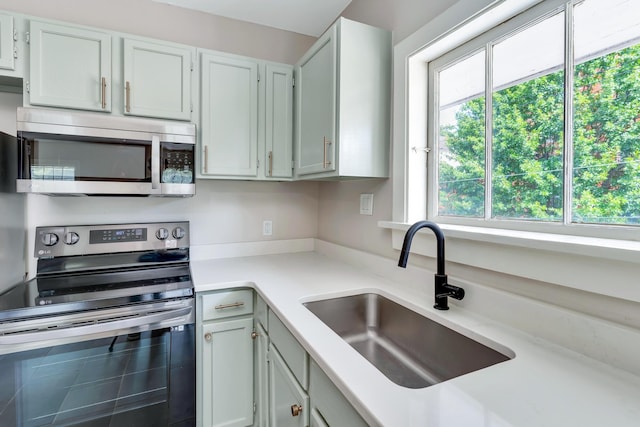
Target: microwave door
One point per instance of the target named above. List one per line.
(67, 164)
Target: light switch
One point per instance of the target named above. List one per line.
(366, 204)
(267, 228)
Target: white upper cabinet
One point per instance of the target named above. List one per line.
(278, 121)
(157, 79)
(229, 109)
(8, 39)
(342, 116)
(70, 67)
(246, 118)
(316, 107)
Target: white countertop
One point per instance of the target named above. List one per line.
(544, 385)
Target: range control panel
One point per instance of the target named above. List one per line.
(55, 241)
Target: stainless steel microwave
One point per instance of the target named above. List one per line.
(66, 153)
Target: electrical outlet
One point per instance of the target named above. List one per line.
(267, 228)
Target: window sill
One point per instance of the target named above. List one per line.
(614, 249)
(602, 266)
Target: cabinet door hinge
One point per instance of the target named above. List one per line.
(293, 164)
(27, 37)
(293, 81)
(191, 65)
(258, 75)
(15, 35)
(15, 52)
(254, 407)
(258, 164)
(27, 87)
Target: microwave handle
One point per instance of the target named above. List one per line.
(155, 164)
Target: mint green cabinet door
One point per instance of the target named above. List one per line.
(316, 107)
(7, 43)
(288, 402)
(279, 121)
(262, 378)
(316, 419)
(70, 67)
(227, 382)
(229, 122)
(329, 404)
(157, 80)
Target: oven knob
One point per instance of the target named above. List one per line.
(162, 233)
(49, 239)
(71, 238)
(178, 233)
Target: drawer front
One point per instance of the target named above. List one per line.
(220, 305)
(292, 352)
(261, 312)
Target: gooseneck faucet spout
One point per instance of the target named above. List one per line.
(442, 288)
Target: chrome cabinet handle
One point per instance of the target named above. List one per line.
(296, 410)
(104, 93)
(208, 337)
(326, 162)
(270, 163)
(232, 305)
(127, 89)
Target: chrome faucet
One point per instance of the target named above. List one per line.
(442, 288)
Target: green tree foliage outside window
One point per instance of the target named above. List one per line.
(527, 152)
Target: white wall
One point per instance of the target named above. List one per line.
(220, 212)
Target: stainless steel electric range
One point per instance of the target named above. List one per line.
(104, 334)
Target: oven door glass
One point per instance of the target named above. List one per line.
(69, 158)
(143, 379)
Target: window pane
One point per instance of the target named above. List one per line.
(528, 109)
(461, 140)
(606, 140)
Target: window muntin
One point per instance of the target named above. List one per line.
(526, 165)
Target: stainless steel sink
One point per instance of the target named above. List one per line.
(410, 349)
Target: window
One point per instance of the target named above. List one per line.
(541, 122)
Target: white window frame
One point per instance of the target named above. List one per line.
(512, 247)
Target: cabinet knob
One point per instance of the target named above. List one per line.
(208, 336)
(296, 409)
(254, 335)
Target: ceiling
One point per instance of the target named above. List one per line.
(310, 17)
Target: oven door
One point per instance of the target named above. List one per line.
(100, 371)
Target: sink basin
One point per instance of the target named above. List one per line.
(410, 349)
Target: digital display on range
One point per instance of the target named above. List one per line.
(118, 235)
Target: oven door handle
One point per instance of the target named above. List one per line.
(101, 327)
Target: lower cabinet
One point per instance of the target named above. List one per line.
(253, 372)
(328, 406)
(288, 402)
(225, 368)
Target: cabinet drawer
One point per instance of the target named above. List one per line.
(292, 352)
(227, 304)
(261, 312)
